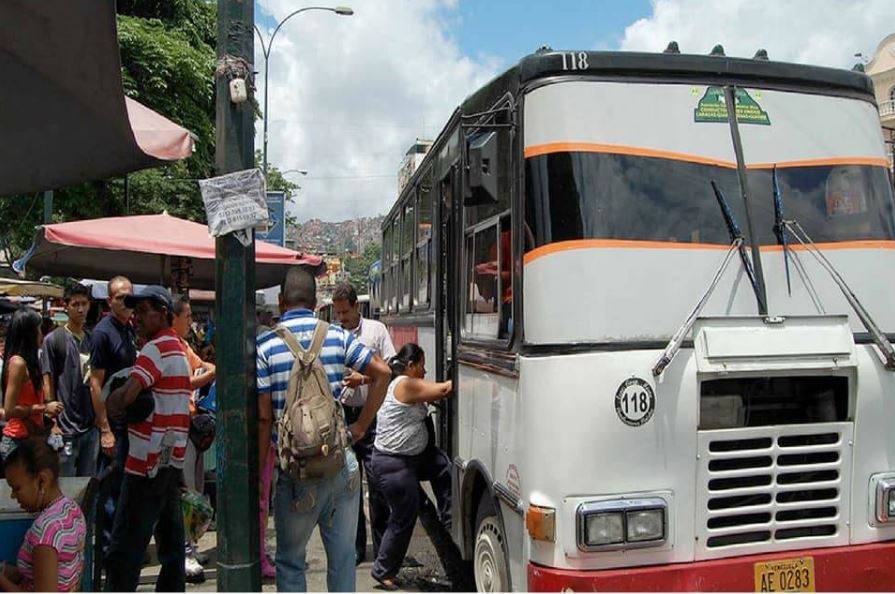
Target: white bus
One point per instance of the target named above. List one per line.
(666, 325)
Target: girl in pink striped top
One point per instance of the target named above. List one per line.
(51, 558)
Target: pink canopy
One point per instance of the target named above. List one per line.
(145, 249)
(156, 135)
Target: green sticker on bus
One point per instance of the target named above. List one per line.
(713, 108)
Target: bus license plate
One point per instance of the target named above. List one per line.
(785, 575)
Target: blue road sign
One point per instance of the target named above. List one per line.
(276, 210)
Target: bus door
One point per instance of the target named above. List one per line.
(446, 312)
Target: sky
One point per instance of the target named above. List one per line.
(349, 95)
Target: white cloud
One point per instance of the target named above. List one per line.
(822, 32)
(348, 96)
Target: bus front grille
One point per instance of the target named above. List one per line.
(764, 489)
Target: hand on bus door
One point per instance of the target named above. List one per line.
(447, 387)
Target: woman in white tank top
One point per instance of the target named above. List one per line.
(403, 456)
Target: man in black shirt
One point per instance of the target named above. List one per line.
(64, 363)
(112, 349)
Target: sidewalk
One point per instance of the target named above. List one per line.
(422, 572)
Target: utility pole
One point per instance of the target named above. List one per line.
(48, 207)
(239, 567)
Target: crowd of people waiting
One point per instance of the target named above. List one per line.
(123, 401)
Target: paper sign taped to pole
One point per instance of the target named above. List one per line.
(235, 201)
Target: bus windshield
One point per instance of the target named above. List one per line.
(587, 195)
(635, 161)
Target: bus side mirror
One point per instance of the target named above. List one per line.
(481, 169)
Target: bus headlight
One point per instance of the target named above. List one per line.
(646, 525)
(604, 529)
(884, 508)
(622, 523)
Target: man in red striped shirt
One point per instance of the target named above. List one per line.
(155, 402)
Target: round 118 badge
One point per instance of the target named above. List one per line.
(635, 402)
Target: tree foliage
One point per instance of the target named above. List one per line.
(359, 266)
(167, 63)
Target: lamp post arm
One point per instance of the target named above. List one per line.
(292, 14)
(265, 49)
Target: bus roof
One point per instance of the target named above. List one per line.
(669, 66)
(673, 66)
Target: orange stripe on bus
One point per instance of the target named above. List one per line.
(582, 244)
(617, 149)
(874, 161)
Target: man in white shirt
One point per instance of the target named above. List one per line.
(375, 336)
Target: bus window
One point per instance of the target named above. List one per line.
(407, 244)
(504, 256)
(394, 267)
(422, 273)
(424, 240)
(482, 308)
(386, 268)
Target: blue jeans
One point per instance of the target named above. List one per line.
(330, 504)
(84, 454)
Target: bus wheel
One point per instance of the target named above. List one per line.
(489, 561)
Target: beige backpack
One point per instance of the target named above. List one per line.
(311, 433)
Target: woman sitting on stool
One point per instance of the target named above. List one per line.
(403, 456)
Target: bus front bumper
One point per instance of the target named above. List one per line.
(854, 568)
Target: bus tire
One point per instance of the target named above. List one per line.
(489, 562)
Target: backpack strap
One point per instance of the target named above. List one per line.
(306, 357)
(303, 358)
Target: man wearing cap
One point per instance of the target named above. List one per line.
(157, 434)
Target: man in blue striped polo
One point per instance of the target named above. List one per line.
(331, 504)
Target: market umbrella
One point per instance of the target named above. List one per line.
(148, 249)
(63, 115)
(16, 287)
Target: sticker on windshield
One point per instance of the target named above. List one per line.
(713, 108)
(635, 402)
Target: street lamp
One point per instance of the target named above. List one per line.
(339, 10)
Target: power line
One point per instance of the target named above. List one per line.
(310, 177)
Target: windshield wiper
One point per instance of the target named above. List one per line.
(780, 228)
(737, 244)
(734, 231)
(677, 340)
(880, 339)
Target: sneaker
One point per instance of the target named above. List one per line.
(194, 572)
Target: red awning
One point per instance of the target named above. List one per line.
(156, 135)
(143, 248)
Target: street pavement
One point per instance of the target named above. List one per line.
(423, 571)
